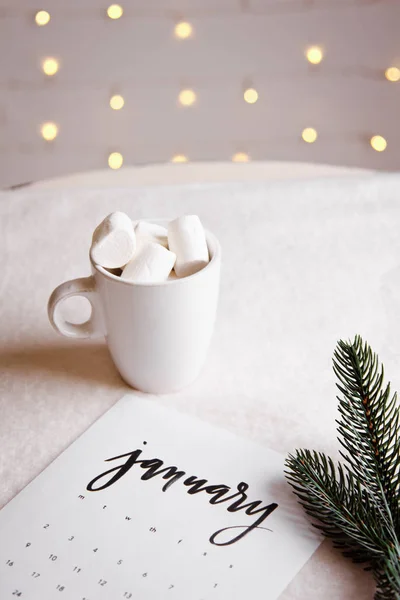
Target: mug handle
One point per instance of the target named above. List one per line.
(84, 286)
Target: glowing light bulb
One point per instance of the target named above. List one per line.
(309, 135)
(250, 95)
(115, 11)
(42, 18)
(183, 30)
(240, 157)
(392, 74)
(117, 102)
(179, 158)
(50, 66)
(314, 55)
(49, 131)
(187, 97)
(378, 143)
(115, 160)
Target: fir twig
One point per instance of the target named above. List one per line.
(388, 577)
(336, 500)
(357, 504)
(369, 424)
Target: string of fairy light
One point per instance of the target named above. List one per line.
(187, 97)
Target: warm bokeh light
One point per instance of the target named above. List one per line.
(250, 95)
(240, 157)
(309, 135)
(314, 55)
(115, 11)
(187, 97)
(115, 160)
(49, 131)
(378, 143)
(392, 74)
(50, 66)
(183, 30)
(117, 102)
(42, 17)
(179, 158)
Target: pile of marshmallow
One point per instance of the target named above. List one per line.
(144, 252)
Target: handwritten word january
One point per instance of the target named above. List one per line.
(219, 493)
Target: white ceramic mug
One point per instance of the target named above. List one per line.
(157, 333)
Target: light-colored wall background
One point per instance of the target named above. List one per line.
(235, 44)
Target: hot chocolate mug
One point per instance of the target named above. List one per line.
(158, 334)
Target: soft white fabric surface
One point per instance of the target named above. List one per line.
(168, 174)
(304, 263)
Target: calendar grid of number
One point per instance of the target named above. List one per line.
(145, 505)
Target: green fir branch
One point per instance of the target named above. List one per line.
(357, 504)
(388, 577)
(338, 506)
(369, 424)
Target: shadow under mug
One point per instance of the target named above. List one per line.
(157, 333)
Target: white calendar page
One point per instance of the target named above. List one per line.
(152, 504)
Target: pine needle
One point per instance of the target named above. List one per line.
(356, 503)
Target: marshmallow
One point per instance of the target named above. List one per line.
(186, 238)
(152, 263)
(114, 241)
(150, 232)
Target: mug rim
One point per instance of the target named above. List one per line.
(211, 241)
